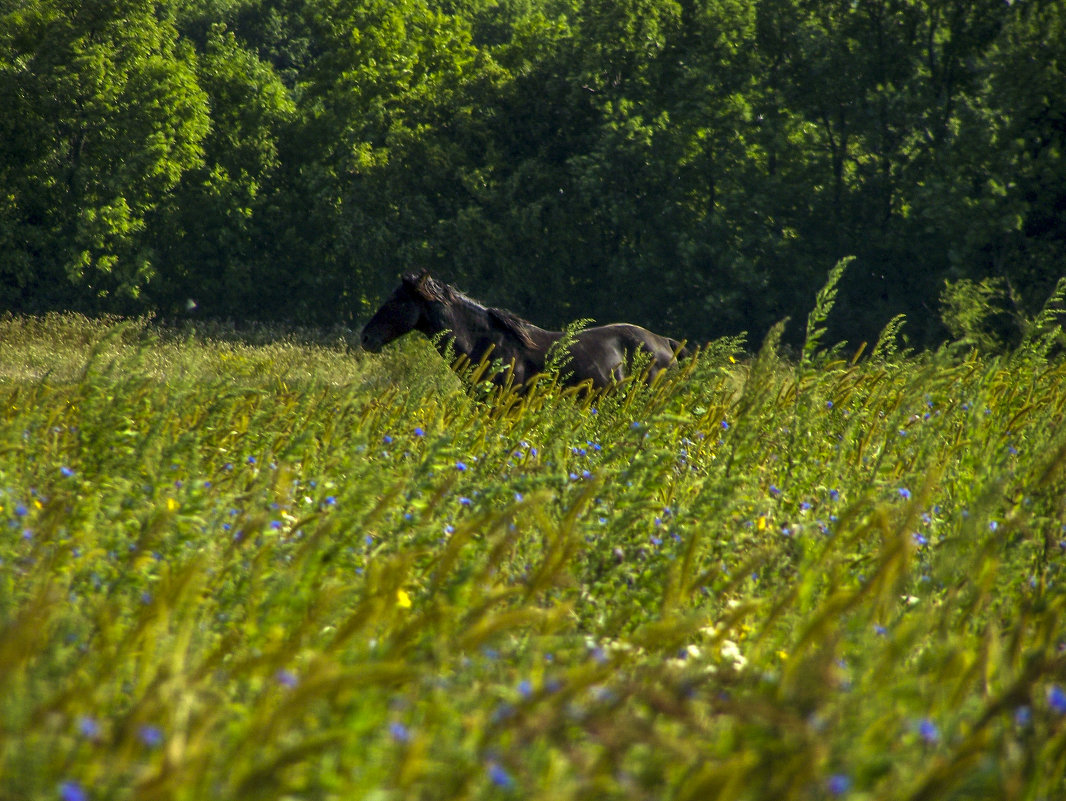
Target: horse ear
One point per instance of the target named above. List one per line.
(417, 281)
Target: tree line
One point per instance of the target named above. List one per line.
(696, 166)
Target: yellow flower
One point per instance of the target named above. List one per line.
(403, 600)
(760, 524)
(172, 505)
(782, 655)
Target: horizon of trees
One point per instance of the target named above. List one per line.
(695, 166)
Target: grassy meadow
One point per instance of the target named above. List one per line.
(276, 568)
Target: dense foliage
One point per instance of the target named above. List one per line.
(692, 165)
(281, 571)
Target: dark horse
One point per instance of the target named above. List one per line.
(600, 355)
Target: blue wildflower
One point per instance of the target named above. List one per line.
(725, 425)
(525, 688)
(465, 502)
(72, 791)
(88, 727)
(419, 431)
(919, 540)
(151, 736)
(500, 777)
(460, 466)
(1056, 698)
(286, 678)
(1023, 716)
(904, 493)
(928, 731)
(838, 784)
(387, 440)
(66, 472)
(399, 732)
(21, 510)
(774, 490)
(881, 631)
(251, 460)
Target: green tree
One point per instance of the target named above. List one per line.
(102, 117)
(213, 232)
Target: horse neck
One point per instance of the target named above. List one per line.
(462, 322)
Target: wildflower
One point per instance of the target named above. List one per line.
(656, 541)
(725, 425)
(838, 784)
(928, 731)
(525, 688)
(518, 497)
(251, 460)
(880, 631)
(904, 493)
(331, 500)
(387, 440)
(275, 524)
(465, 502)
(419, 431)
(919, 540)
(460, 466)
(72, 791)
(66, 472)
(500, 777)
(151, 736)
(834, 495)
(1056, 698)
(21, 510)
(89, 727)
(286, 678)
(1023, 715)
(805, 506)
(993, 525)
(403, 600)
(760, 524)
(399, 732)
(829, 404)
(775, 491)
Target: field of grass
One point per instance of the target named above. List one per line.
(279, 569)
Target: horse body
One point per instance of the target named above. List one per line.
(601, 355)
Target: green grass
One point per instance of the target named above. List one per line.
(286, 570)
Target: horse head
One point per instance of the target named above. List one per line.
(401, 312)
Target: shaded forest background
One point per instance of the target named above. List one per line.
(694, 166)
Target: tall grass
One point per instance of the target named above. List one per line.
(289, 571)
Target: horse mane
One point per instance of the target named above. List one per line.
(512, 324)
(439, 292)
